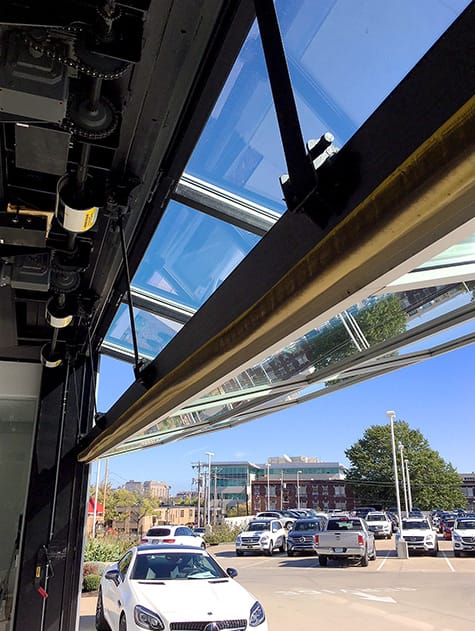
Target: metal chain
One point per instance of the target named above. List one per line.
(81, 67)
(73, 128)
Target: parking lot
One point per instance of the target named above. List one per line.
(421, 592)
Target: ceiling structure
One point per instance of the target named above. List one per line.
(164, 159)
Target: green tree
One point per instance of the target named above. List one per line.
(144, 506)
(435, 483)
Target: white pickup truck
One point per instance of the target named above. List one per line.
(347, 538)
(463, 535)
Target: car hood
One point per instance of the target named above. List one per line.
(383, 522)
(254, 533)
(465, 532)
(205, 599)
(302, 533)
(417, 531)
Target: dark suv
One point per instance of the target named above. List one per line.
(302, 536)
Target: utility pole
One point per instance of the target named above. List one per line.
(215, 496)
(198, 480)
(106, 475)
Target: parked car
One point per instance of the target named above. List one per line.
(362, 511)
(463, 535)
(262, 535)
(287, 517)
(176, 535)
(174, 587)
(302, 536)
(443, 518)
(419, 535)
(448, 527)
(379, 524)
(345, 537)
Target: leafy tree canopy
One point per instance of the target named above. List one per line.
(435, 483)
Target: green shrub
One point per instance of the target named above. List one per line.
(107, 549)
(222, 534)
(91, 583)
(89, 568)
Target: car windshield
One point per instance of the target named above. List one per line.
(376, 517)
(415, 525)
(258, 525)
(466, 524)
(165, 566)
(344, 524)
(158, 532)
(306, 525)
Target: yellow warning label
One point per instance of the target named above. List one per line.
(38, 571)
(89, 218)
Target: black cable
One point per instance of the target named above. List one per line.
(129, 296)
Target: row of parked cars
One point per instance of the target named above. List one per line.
(351, 535)
(329, 537)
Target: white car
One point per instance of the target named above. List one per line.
(262, 535)
(463, 535)
(379, 524)
(174, 535)
(174, 587)
(419, 535)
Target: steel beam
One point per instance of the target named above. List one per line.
(224, 205)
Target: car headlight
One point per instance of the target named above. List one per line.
(238, 540)
(147, 619)
(265, 538)
(430, 538)
(257, 615)
(456, 537)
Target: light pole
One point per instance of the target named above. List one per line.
(403, 468)
(298, 489)
(209, 454)
(268, 486)
(391, 415)
(281, 489)
(408, 480)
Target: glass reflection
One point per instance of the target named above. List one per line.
(153, 331)
(344, 58)
(374, 320)
(190, 255)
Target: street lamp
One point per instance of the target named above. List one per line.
(287, 459)
(408, 480)
(268, 486)
(391, 416)
(298, 489)
(209, 454)
(403, 468)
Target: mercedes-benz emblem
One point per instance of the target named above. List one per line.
(212, 626)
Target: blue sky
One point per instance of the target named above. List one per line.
(344, 58)
(435, 396)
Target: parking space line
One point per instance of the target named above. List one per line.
(448, 562)
(380, 566)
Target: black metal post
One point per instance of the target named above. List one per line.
(52, 538)
(301, 172)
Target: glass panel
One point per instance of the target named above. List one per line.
(190, 255)
(153, 331)
(459, 254)
(256, 390)
(344, 57)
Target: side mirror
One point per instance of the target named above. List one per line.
(231, 572)
(113, 575)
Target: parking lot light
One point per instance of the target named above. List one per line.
(298, 489)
